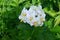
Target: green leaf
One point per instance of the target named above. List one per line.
(27, 4)
(58, 35)
(49, 23)
(2, 2)
(57, 20)
(55, 29)
(21, 1)
(58, 13)
(33, 2)
(0, 9)
(14, 2)
(52, 13)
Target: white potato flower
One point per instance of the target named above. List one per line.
(35, 16)
(23, 15)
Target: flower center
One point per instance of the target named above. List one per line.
(41, 19)
(35, 23)
(24, 14)
(31, 19)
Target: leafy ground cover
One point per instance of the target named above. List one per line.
(12, 29)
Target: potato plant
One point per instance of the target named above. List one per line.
(12, 29)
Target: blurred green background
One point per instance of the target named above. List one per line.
(12, 29)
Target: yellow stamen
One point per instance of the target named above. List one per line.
(35, 23)
(31, 19)
(41, 19)
(24, 14)
(21, 20)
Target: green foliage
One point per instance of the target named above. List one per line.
(12, 29)
(42, 33)
(57, 20)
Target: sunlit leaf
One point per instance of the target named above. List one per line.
(27, 4)
(57, 20)
(34, 2)
(14, 2)
(58, 35)
(50, 12)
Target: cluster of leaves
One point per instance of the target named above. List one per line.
(12, 29)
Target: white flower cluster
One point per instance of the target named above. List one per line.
(35, 16)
